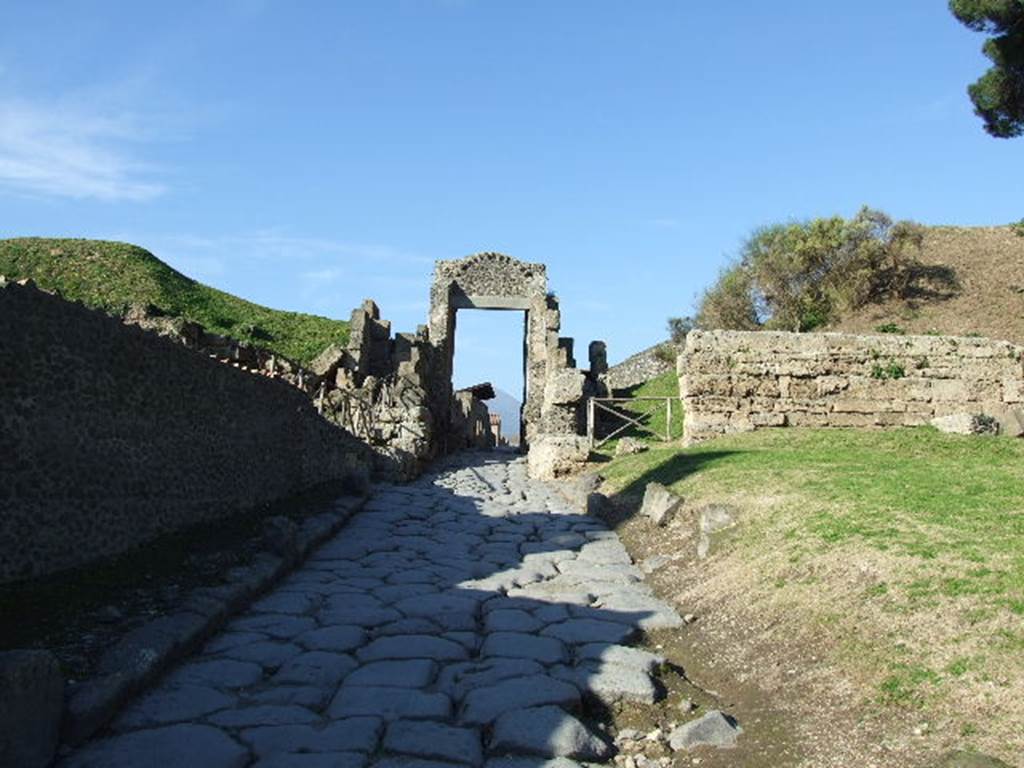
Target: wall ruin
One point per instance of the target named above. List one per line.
(735, 381)
(111, 435)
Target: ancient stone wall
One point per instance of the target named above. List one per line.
(641, 367)
(376, 388)
(111, 435)
(734, 381)
(470, 423)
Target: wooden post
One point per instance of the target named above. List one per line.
(591, 431)
(668, 419)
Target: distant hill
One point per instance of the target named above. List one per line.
(506, 406)
(113, 276)
(988, 263)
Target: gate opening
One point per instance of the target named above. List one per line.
(490, 346)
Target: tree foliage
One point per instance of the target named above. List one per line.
(679, 327)
(799, 276)
(998, 95)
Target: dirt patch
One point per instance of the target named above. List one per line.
(758, 658)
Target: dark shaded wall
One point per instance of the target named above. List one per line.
(110, 436)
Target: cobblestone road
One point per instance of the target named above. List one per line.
(459, 620)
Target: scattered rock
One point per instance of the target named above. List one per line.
(548, 732)
(31, 699)
(660, 504)
(630, 445)
(713, 729)
(966, 424)
(687, 705)
(328, 361)
(712, 519)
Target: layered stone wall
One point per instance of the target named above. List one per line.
(376, 388)
(111, 436)
(641, 367)
(733, 381)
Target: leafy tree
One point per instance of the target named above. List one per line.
(802, 275)
(679, 327)
(998, 95)
(729, 302)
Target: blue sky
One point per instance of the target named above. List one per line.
(307, 155)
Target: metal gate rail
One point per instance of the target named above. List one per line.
(612, 405)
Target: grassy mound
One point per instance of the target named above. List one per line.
(112, 276)
(896, 556)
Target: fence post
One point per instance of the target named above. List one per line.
(590, 421)
(668, 419)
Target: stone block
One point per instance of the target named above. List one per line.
(327, 362)
(966, 424)
(660, 504)
(597, 353)
(551, 456)
(564, 387)
(31, 701)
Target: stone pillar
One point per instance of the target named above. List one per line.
(598, 354)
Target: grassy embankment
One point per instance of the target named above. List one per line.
(112, 276)
(904, 548)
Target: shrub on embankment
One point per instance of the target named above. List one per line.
(114, 276)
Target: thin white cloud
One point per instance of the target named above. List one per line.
(322, 276)
(64, 149)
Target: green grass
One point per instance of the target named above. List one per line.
(948, 510)
(112, 276)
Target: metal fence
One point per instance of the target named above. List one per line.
(614, 407)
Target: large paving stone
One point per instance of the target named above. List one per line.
(483, 705)
(313, 760)
(405, 673)
(302, 695)
(459, 679)
(217, 673)
(548, 732)
(338, 639)
(276, 625)
(268, 654)
(176, 746)
(518, 761)
(266, 714)
(412, 647)
(516, 645)
(407, 761)
(357, 734)
(389, 703)
(434, 741)
(319, 669)
(578, 631)
(296, 603)
(511, 621)
(611, 653)
(168, 705)
(612, 683)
